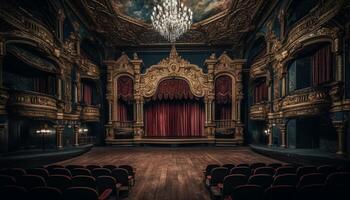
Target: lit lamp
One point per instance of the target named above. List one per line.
(267, 131)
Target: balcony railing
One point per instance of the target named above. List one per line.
(123, 124)
(90, 113)
(225, 123)
(258, 111)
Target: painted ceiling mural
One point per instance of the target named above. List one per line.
(142, 9)
(217, 22)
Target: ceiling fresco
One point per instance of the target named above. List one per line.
(142, 9)
(217, 22)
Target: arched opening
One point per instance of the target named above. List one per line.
(173, 111)
(223, 98)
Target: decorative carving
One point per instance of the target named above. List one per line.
(259, 111)
(174, 66)
(90, 113)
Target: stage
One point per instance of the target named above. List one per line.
(176, 141)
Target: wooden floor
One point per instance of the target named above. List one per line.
(168, 173)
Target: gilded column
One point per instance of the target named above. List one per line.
(339, 126)
(76, 135)
(283, 136)
(269, 132)
(338, 60)
(59, 133)
(138, 126)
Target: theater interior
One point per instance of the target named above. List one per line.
(174, 99)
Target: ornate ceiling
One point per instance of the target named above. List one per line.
(216, 22)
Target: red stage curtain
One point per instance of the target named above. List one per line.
(260, 92)
(223, 97)
(125, 90)
(321, 63)
(174, 111)
(87, 94)
(174, 119)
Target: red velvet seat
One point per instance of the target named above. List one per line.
(92, 167)
(31, 181)
(13, 192)
(326, 169)
(131, 172)
(80, 171)
(121, 176)
(83, 193)
(7, 180)
(306, 170)
(39, 172)
(71, 167)
(208, 169)
(253, 166)
(275, 165)
(314, 191)
(217, 176)
(60, 171)
(61, 182)
(45, 193)
(265, 170)
(232, 181)
(248, 192)
(285, 170)
(84, 181)
(310, 179)
(228, 166)
(286, 179)
(110, 167)
(243, 165)
(101, 172)
(14, 172)
(241, 170)
(50, 167)
(107, 182)
(338, 179)
(263, 180)
(280, 192)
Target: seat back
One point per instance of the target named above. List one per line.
(285, 170)
(121, 175)
(92, 167)
(338, 179)
(110, 167)
(217, 175)
(84, 181)
(265, 170)
(31, 181)
(275, 165)
(45, 193)
(326, 169)
(106, 182)
(80, 171)
(241, 170)
(232, 181)
(209, 168)
(39, 172)
(14, 172)
(279, 192)
(313, 191)
(7, 180)
(310, 179)
(101, 172)
(129, 168)
(13, 192)
(228, 166)
(60, 171)
(286, 179)
(253, 166)
(50, 167)
(248, 192)
(71, 167)
(74, 193)
(306, 170)
(263, 180)
(61, 182)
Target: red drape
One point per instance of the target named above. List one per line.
(223, 97)
(174, 119)
(321, 63)
(174, 111)
(260, 92)
(87, 94)
(125, 90)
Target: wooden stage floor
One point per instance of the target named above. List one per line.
(168, 173)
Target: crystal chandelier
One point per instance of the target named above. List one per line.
(171, 19)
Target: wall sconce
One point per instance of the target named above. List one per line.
(267, 131)
(83, 130)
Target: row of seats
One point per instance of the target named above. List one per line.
(222, 181)
(66, 182)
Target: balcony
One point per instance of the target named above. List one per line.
(90, 113)
(89, 69)
(308, 102)
(259, 111)
(32, 104)
(258, 68)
